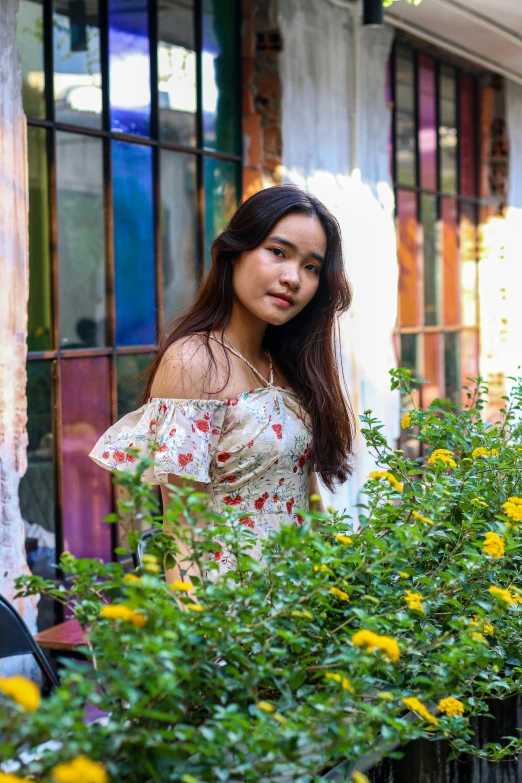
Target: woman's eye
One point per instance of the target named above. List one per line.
(277, 252)
(313, 268)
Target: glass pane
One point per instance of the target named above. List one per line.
(134, 257)
(448, 130)
(177, 71)
(469, 358)
(405, 117)
(467, 138)
(77, 68)
(36, 489)
(220, 64)
(129, 66)
(86, 495)
(450, 260)
(408, 253)
(432, 369)
(221, 197)
(39, 306)
(178, 231)
(452, 366)
(469, 266)
(409, 358)
(29, 40)
(81, 247)
(431, 254)
(130, 369)
(427, 123)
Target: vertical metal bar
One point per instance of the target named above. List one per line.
(200, 169)
(48, 43)
(103, 11)
(393, 77)
(156, 161)
(438, 156)
(416, 104)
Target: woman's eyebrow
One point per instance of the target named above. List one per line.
(283, 241)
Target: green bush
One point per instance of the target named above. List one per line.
(344, 641)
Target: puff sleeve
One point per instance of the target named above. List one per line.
(186, 433)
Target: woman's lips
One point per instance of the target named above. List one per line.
(281, 302)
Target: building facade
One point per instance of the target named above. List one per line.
(131, 130)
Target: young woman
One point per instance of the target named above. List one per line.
(244, 395)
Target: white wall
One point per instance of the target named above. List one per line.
(335, 130)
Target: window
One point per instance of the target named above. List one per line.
(134, 166)
(434, 162)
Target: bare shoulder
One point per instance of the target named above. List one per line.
(187, 370)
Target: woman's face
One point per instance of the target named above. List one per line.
(276, 280)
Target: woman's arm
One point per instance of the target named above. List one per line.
(315, 505)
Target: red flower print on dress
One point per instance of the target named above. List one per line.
(248, 521)
(119, 456)
(290, 505)
(184, 459)
(299, 519)
(281, 481)
(217, 554)
(276, 498)
(172, 433)
(260, 502)
(163, 408)
(202, 425)
(105, 455)
(232, 501)
(163, 448)
(215, 431)
(131, 458)
(207, 415)
(301, 461)
(250, 444)
(231, 402)
(152, 425)
(223, 456)
(278, 429)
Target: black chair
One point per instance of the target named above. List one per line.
(16, 639)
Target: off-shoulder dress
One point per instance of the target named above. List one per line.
(254, 451)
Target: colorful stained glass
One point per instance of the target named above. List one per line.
(130, 370)
(427, 123)
(134, 256)
(77, 62)
(36, 490)
(433, 368)
(431, 257)
(29, 41)
(408, 253)
(178, 231)
(220, 67)
(81, 247)
(452, 367)
(468, 264)
(221, 197)
(467, 135)
(86, 493)
(405, 163)
(39, 337)
(450, 262)
(177, 93)
(448, 129)
(129, 66)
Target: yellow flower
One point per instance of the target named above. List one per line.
(414, 600)
(479, 502)
(372, 641)
(345, 682)
(302, 613)
(444, 456)
(505, 595)
(182, 586)
(494, 545)
(426, 520)
(21, 690)
(417, 706)
(403, 575)
(340, 594)
(322, 567)
(315, 498)
(390, 478)
(513, 508)
(123, 612)
(330, 509)
(80, 770)
(7, 777)
(359, 777)
(478, 636)
(150, 559)
(483, 452)
(488, 629)
(196, 607)
(265, 706)
(132, 578)
(406, 421)
(343, 539)
(451, 706)
(279, 718)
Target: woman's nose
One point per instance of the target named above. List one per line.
(290, 276)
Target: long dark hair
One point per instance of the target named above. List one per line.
(306, 347)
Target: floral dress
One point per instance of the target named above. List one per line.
(253, 450)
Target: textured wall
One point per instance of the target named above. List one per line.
(335, 129)
(13, 309)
